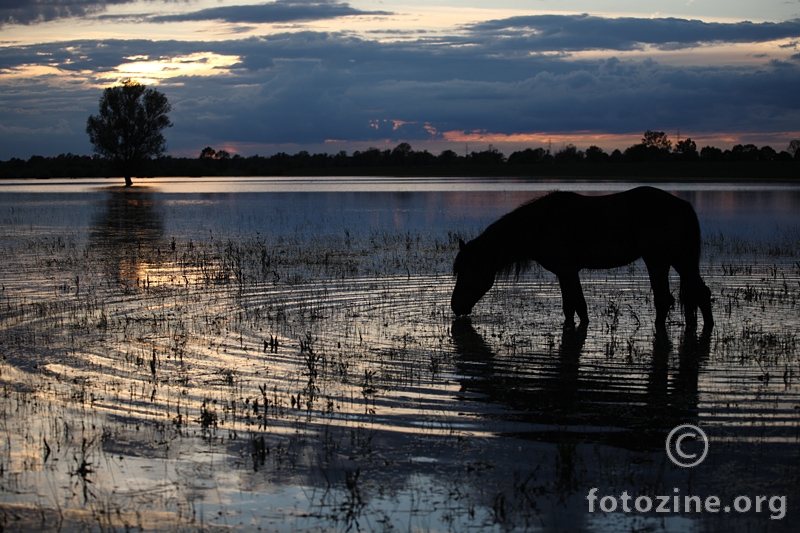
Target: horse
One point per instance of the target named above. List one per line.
(566, 232)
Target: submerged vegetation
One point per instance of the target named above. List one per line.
(300, 382)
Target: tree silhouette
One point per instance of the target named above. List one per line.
(656, 139)
(595, 154)
(128, 128)
(491, 156)
(655, 146)
(401, 154)
(687, 149)
(569, 154)
(712, 153)
(744, 152)
(529, 156)
(794, 148)
(767, 153)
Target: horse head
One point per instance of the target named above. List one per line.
(474, 278)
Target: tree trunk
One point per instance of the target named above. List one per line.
(128, 181)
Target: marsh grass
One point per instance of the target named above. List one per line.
(313, 382)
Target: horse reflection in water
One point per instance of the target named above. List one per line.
(565, 232)
(632, 411)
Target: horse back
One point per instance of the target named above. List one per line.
(614, 230)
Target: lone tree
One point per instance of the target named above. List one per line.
(128, 128)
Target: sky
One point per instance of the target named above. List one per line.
(254, 77)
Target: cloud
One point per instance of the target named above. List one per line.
(32, 11)
(584, 32)
(273, 12)
(61, 127)
(280, 11)
(335, 87)
(303, 88)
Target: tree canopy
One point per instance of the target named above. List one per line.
(128, 128)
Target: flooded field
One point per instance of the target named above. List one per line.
(274, 355)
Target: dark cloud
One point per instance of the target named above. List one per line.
(279, 11)
(585, 32)
(332, 87)
(32, 11)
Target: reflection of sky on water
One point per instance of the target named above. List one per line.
(324, 206)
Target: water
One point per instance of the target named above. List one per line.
(242, 205)
(280, 354)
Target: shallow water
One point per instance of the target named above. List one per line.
(280, 354)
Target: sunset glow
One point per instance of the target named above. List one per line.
(152, 71)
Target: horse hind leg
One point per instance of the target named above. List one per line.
(704, 301)
(694, 293)
(688, 296)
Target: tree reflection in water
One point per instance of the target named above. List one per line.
(128, 236)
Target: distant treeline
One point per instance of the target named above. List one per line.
(654, 157)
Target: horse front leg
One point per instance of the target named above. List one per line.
(659, 282)
(572, 299)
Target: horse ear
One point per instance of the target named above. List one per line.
(461, 244)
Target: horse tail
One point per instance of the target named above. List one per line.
(695, 238)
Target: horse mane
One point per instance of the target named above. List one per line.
(515, 267)
(511, 222)
(503, 272)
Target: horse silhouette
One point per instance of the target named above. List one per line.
(565, 232)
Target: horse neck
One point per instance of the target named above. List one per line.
(504, 244)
